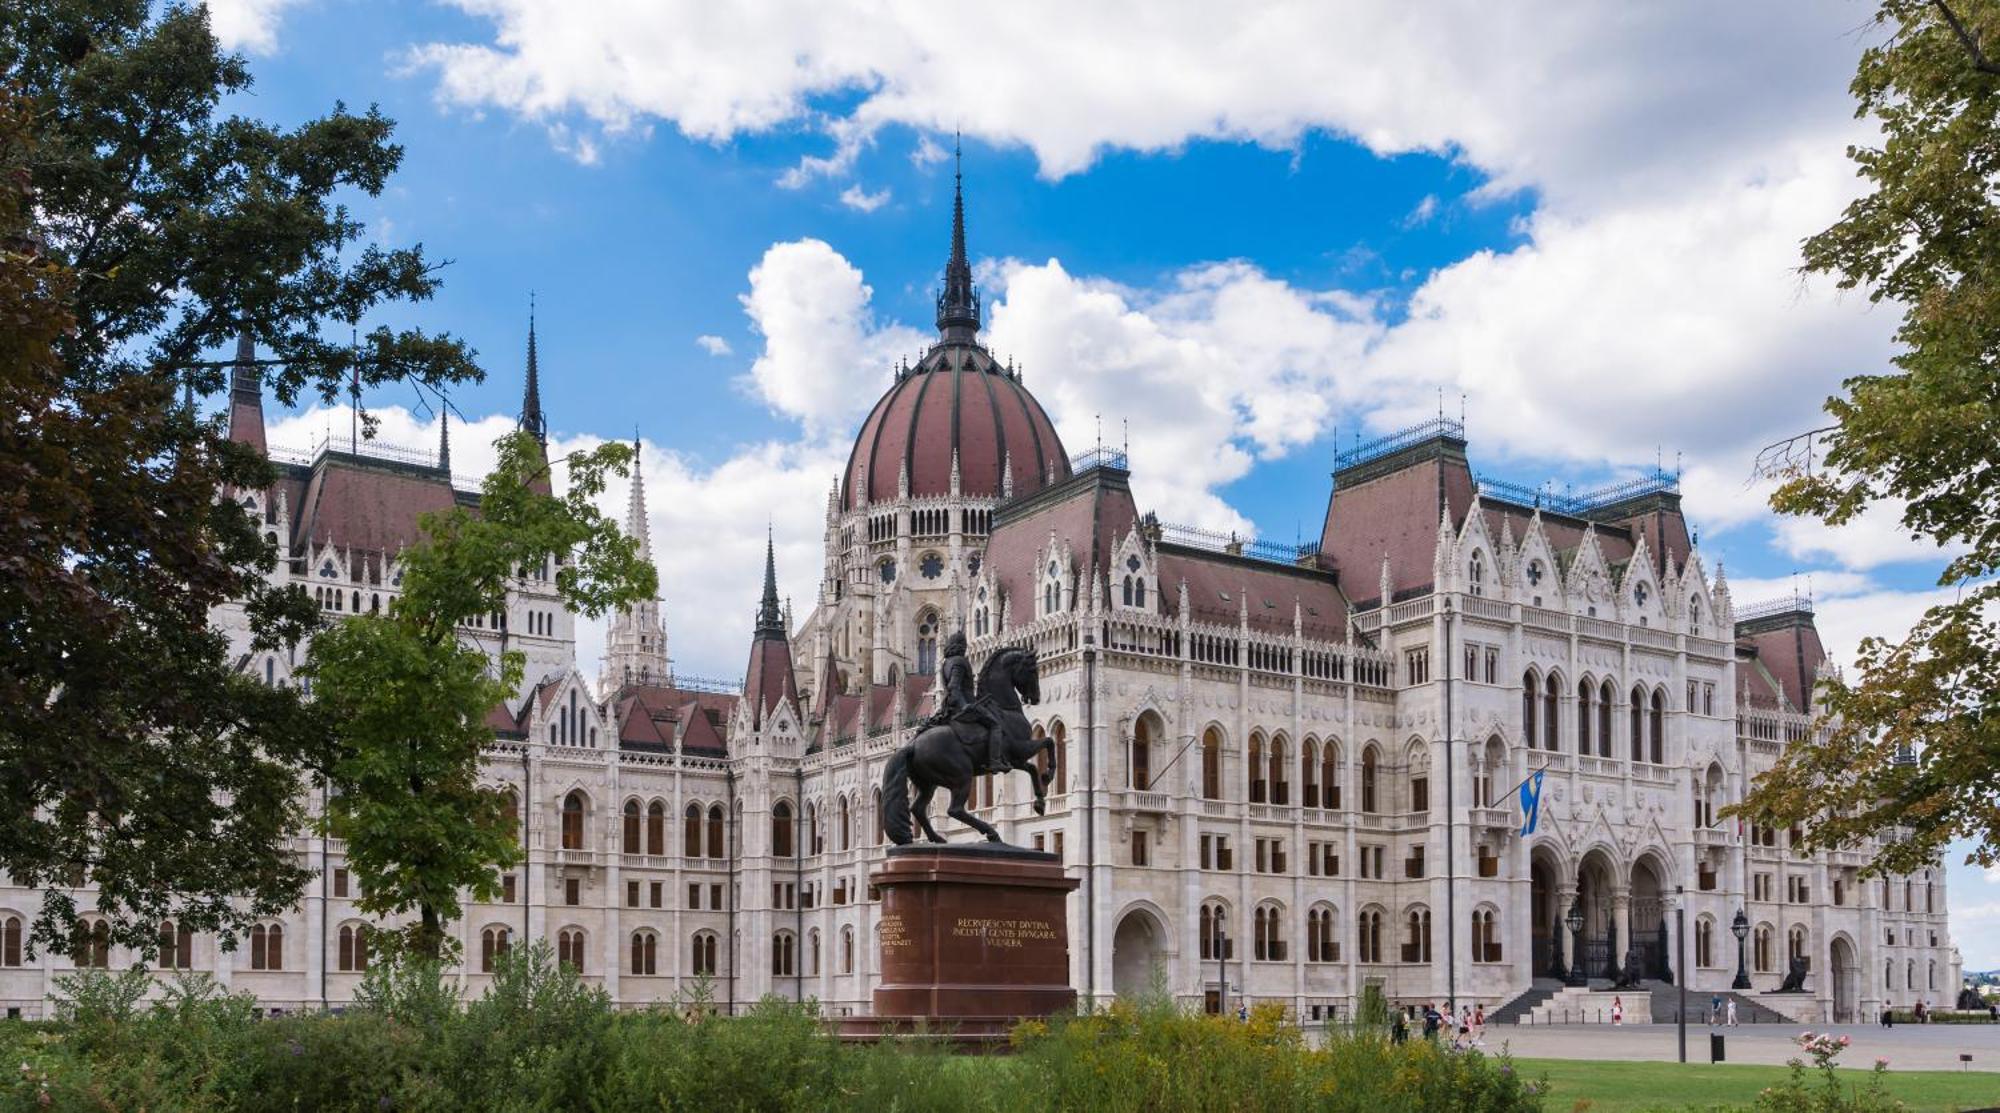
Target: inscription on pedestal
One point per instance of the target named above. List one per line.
(1005, 933)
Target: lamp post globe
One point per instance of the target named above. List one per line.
(1573, 920)
(1740, 927)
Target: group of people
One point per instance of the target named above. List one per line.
(1469, 1026)
(1721, 1010)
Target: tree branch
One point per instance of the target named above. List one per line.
(1979, 60)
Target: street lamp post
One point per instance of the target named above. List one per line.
(1740, 928)
(1574, 921)
(1680, 960)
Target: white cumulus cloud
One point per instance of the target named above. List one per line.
(250, 25)
(860, 200)
(713, 345)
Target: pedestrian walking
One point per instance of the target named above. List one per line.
(1714, 1009)
(1732, 1012)
(1617, 1011)
(1243, 1012)
(1399, 1032)
(1479, 1025)
(1433, 1020)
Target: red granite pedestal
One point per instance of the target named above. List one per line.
(974, 937)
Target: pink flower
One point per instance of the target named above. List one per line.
(1881, 1064)
(1844, 1041)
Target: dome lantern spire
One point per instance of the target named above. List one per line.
(958, 303)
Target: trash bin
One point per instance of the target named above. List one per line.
(1715, 1047)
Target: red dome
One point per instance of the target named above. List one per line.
(957, 400)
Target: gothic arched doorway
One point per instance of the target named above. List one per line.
(1545, 919)
(1595, 880)
(1846, 971)
(1648, 916)
(1137, 947)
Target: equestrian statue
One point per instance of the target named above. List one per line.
(980, 728)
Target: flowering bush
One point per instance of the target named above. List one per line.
(1816, 1087)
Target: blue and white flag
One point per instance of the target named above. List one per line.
(1531, 803)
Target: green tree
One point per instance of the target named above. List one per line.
(134, 755)
(408, 701)
(1912, 742)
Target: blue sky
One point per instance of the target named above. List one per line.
(1244, 239)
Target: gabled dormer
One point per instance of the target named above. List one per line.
(1135, 577)
(1588, 585)
(1537, 575)
(1055, 578)
(1640, 597)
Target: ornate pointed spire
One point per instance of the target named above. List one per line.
(770, 620)
(444, 440)
(246, 394)
(531, 394)
(635, 509)
(958, 304)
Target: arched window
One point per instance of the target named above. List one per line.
(927, 643)
(1368, 935)
(267, 947)
(353, 947)
(656, 828)
(1485, 936)
(1142, 753)
(1704, 942)
(1060, 785)
(781, 829)
(1796, 947)
(716, 842)
(572, 821)
(10, 941)
(1211, 764)
(1531, 686)
(1761, 949)
(691, 831)
(847, 950)
(646, 952)
(812, 953)
(176, 947)
(1639, 724)
(1320, 943)
(784, 957)
(1259, 790)
(1933, 974)
(1128, 591)
(705, 964)
(1417, 935)
(1584, 690)
(1281, 790)
(1657, 734)
(877, 813)
(510, 813)
(1329, 776)
(1215, 939)
(815, 840)
(1475, 573)
(631, 827)
(1551, 711)
(569, 948)
(494, 943)
(1139, 592)
(846, 841)
(1604, 701)
(1368, 780)
(1269, 933)
(1309, 773)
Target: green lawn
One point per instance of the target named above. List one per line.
(1635, 1087)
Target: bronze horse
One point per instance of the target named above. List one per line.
(942, 755)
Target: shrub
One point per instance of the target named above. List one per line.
(1802, 1093)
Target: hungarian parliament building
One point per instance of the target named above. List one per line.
(1281, 773)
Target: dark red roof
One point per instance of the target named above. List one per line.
(956, 400)
(367, 505)
(1391, 507)
(1788, 649)
(651, 716)
(769, 680)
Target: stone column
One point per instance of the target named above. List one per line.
(1621, 925)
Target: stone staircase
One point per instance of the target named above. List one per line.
(1538, 993)
(1749, 1010)
(1585, 1005)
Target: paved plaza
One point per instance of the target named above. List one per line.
(1906, 1046)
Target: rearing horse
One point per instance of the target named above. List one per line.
(942, 755)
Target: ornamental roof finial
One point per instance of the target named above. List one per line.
(958, 304)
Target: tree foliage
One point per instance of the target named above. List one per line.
(408, 700)
(1911, 745)
(146, 228)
